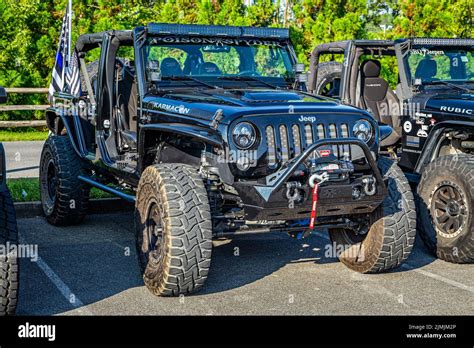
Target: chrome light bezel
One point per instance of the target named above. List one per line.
(251, 136)
(363, 130)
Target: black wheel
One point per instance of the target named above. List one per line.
(173, 229)
(64, 198)
(445, 204)
(329, 79)
(9, 264)
(391, 232)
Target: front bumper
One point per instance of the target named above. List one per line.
(269, 201)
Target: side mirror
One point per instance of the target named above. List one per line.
(3, 95)
(298, 68)
(302, 78)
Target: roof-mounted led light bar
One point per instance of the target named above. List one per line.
(443, 42)
(217, 31)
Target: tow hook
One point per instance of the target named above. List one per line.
(368, 184)
(318, 178)
(293, 193)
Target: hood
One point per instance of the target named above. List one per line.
(460, 104)
(205, 102)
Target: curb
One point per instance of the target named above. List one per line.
(26, 210)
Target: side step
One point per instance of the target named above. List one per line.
(108, 189)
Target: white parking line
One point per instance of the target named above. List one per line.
(62, 287)
(421, 271)
(438, 277)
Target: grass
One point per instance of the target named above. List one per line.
(27, 190)
(23, 135)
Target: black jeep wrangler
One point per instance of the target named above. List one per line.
(8, 239)
(210, 132)
(431, 113)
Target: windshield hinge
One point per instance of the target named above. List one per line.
(216, 119)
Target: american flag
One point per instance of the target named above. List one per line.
(73, 76)
(66, 76)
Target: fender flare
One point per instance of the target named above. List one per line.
(199, 134)
(434, 138)
(53, 116)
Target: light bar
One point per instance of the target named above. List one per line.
(217, 30)
(443, 42)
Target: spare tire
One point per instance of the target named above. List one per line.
(329, 79)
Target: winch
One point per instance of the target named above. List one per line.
(337, 170)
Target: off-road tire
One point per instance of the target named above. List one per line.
(327, 73)
(175, 195)
(68, 201)
(9, 264)
(456, 171)
(391, 236)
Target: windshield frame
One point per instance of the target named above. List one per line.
(435, 48)
(284, 45)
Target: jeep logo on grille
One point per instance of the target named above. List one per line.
(307, 119)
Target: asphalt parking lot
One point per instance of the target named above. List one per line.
(92, 269)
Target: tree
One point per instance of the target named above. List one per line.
(30, 28)
(320, 21)
(434, 18)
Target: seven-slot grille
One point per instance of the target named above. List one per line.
(287, 141)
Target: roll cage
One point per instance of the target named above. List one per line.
(353, 49)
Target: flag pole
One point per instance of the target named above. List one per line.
(70, 32)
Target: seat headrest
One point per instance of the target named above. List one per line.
(170, 67)
(371, 68)
(457, 67)
(426, 69)
(209, 68)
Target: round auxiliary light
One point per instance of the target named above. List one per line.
(244, 135)
(363, 130)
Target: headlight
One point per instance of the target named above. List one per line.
(244, 135)
(363, 130)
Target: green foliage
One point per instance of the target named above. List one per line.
(24, 189)
(434, 18)
(23, 134)
(30, 28)
(27, 190)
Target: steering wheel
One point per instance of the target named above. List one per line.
(248, 73)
